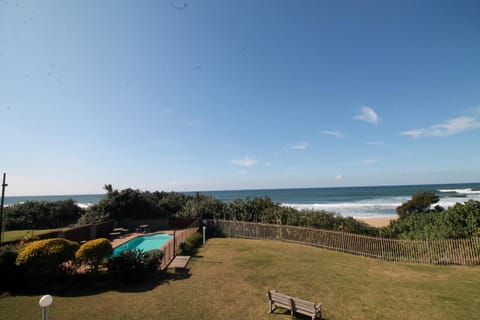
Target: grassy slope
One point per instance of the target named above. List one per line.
(230, 277)
(19, 234)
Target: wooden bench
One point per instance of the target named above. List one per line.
(307, 308)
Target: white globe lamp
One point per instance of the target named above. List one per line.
(44, 302)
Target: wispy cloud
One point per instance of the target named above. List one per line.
(194, 124)
(300, 146)
(369, 162)
(365, 162)
(374, 143)
(246, 162)
(476, 111)
(339, 177)
(367, 114)
(336, 134)
(449, 128)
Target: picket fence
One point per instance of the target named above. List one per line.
(446, 251)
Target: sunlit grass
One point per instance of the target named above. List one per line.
(26, 234)
(229, 278)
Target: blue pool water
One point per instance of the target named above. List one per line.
(144, 243)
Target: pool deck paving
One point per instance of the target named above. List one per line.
(119, 241)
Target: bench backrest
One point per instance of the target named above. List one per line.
(302, 305)
(279, 298)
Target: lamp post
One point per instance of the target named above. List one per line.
(44, 302)
(1, 207)
(204, 234)
(174, 237)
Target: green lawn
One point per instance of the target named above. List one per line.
(229, 279)
(20, 234)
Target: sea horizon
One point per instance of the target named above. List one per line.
(257, 189)
(355, 201)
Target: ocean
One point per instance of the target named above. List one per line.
(358, 202)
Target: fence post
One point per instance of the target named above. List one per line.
(382, 250)
(428, 251)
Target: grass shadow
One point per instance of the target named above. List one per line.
(176, 275)
(92, 284)
(299, 316)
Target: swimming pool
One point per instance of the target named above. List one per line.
(145, 243)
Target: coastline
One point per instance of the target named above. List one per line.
(378, 221)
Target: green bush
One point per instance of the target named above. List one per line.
(153, 260)
(460, 221)
(8, 256)
(93, 251)
(133, 265)
(41, 214)
(202, 206)
(46, 256)
(190, 246)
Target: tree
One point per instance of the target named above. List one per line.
(420, 203)
(204, 207)
(108, 188)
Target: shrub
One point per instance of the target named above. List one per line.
(46, 256)
(202, 206)
(153, 260)
(41, 214)
(460, 221)
(190, 246)
(93, 251)
(8, 256)
(133, 265)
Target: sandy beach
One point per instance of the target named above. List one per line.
(378, 222)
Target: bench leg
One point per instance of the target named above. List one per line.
(272, 307)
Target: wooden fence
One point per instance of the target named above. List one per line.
(180, 237)
(448, 251)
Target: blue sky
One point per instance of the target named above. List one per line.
(213, 95)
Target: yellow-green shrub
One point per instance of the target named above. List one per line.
(46, 255)
(93, 251)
